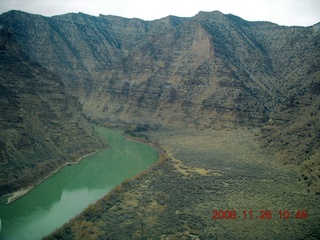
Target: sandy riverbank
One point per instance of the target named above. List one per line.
(17, 194)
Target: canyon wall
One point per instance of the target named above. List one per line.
(41, 126)
(208, 71)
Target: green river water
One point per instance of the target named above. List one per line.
(73, 188)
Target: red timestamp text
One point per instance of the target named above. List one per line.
(262, 214)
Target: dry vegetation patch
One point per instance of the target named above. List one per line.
(187, 170)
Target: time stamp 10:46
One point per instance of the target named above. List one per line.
(262, 214)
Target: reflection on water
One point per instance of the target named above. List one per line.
(73, 188)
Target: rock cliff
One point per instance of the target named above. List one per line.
(208, 71)
(41, 126)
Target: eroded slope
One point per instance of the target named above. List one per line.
(41, 125)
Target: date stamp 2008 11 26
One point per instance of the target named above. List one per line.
(263, 215)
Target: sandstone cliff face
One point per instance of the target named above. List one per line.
(207, 71)
(41, 126)
(192, 74)
(166, 71)
(204, 71)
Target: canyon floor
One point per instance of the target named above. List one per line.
(203, 171)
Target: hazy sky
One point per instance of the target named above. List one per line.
(283, 12)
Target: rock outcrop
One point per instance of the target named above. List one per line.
(202, 71)
(41, 126)
(208, 71)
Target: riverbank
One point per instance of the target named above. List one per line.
(203, 171)
(17, 194)
(68, 192)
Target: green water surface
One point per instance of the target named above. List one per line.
(73, 188)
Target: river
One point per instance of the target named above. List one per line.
(69, 191)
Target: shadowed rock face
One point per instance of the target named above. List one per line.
(41, 126)
(207, 71)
